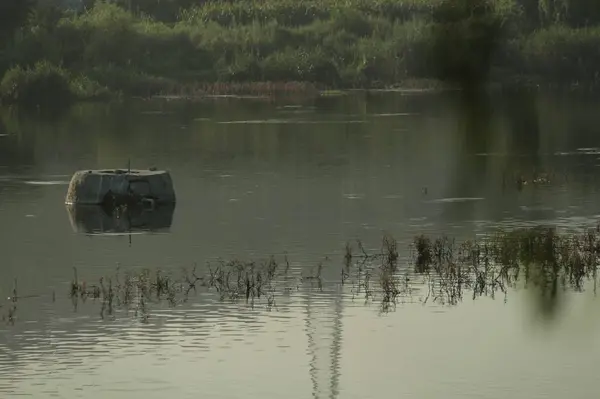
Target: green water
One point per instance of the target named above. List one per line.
(256, 178)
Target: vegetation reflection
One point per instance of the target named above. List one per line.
(438, 270)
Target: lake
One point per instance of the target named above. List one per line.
(297, 180)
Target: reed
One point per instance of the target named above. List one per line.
(438, 269)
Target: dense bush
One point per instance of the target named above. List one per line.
(45, 84)
(563, 54)
(142, 50)
(303, 12)
(13, 13)
(40, 85)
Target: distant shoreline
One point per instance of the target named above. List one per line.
(273, 91)
(307, 48)
(306, 90)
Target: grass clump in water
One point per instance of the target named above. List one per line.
(539, 258)
(441, 271)
(234, 280)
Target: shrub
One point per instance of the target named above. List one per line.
(350, 43)
(300, 65)
(465, 34)
(563, 53)
(42, 85)
(46, 85)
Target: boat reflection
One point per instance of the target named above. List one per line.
(95, 219)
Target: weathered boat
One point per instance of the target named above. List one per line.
(114, 187)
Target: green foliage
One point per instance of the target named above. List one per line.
(84, 88)
(563, 53)
(129, 80)
(13, 14)
(574, 13)
(582, 13)
(45, 85)
(303, 12)
(465, 36)
(126, 46)
(161, 10)
(40, 85)
(300, 65)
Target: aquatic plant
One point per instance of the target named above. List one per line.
(440, 270)
(233, 280)
(538, 257)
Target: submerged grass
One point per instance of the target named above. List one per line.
(233, 281)
(442, 270)
(438, 270)
(538, 258)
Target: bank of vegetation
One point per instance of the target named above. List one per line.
(73, 49)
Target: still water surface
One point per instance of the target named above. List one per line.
(299, 179)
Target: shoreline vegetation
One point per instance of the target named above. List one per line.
(53, 53)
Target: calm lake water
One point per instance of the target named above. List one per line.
(297, 180)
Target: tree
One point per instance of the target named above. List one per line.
(13, 15)
(464, 38)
